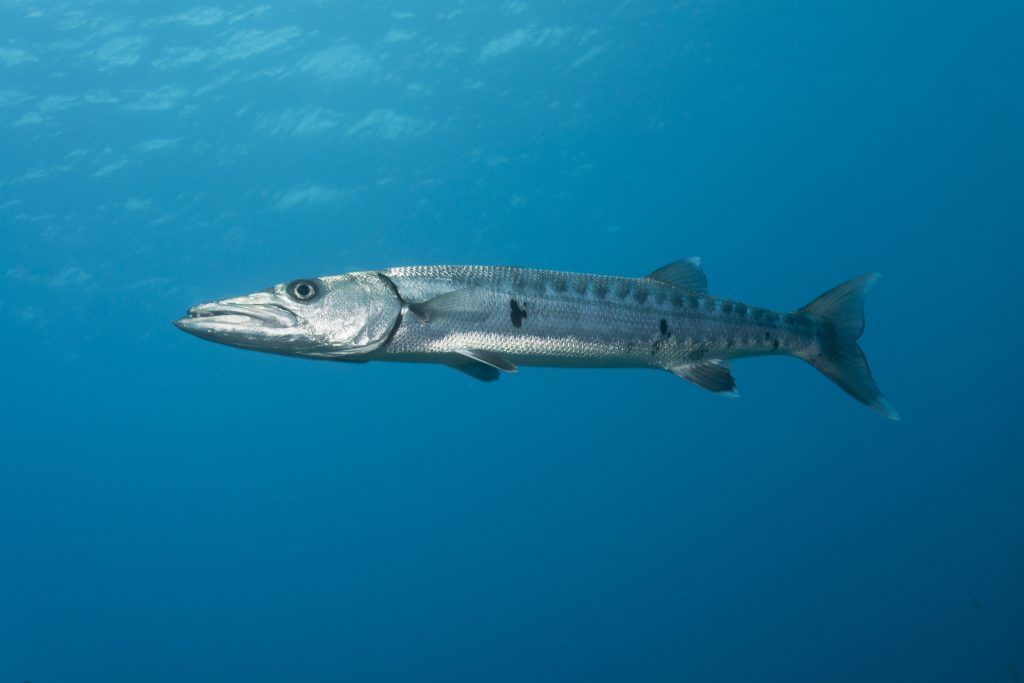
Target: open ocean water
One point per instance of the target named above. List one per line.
(174, 510)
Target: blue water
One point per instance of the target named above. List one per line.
(174, 510)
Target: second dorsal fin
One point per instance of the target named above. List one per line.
(686, 274)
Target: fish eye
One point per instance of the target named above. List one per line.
(303, 290)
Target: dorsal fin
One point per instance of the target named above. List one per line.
(686, 273)
(461, 301)
(712, 375)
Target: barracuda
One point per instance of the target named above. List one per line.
(486, 320)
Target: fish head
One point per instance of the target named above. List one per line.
(337, 316)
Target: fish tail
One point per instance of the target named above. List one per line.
(839, 313)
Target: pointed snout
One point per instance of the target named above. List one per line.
(239, 322)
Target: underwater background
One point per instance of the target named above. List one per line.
(175, 510)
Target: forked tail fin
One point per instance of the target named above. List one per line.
(840, 316)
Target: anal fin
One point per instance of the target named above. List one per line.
(713, 375)
(488, 358)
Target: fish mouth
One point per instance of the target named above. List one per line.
(206, 320)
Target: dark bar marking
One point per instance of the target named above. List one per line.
(517, 313)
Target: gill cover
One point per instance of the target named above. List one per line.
(357, 314)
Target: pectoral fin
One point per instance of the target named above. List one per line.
(712, 375)
(488, 358)
(464, 303)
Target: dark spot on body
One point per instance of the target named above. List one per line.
(767, 336)
(600, 290)
(517, 313)
(640, 295)
(560, 285)
(741, 310)
(677, 300)
(727, 307)
(623, 291)
(663, 326)
(775, 344)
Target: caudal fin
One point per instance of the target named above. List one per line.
(840, 316)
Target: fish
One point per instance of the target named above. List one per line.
(486, 321)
